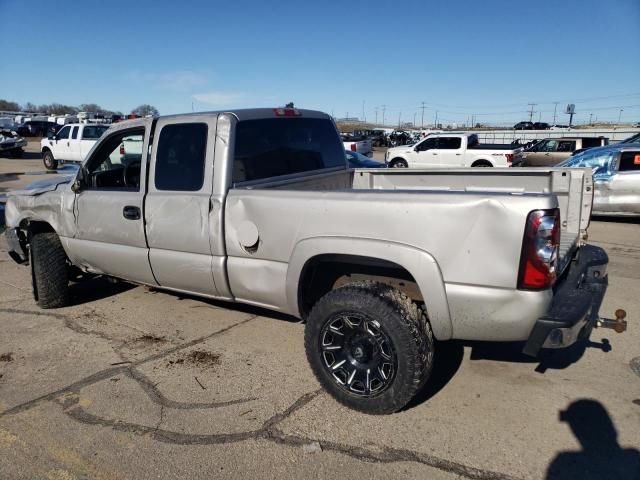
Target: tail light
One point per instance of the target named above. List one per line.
(354, 148)
(540, 250)
(286, 112)
(122, 152)
(509, 157)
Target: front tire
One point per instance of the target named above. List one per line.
(50, 163)
(399, 163)
(49, 270)
(369, 346)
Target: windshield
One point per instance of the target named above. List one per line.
(634, 139)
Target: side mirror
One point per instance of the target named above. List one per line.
(80, 182)
(51, 136)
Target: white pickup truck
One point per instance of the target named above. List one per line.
(450, 150)
(357, 144)
(70, 144)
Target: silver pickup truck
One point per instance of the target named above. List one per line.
(258, 206)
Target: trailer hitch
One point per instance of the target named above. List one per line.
(619, 325)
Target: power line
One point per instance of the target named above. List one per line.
(531, 112)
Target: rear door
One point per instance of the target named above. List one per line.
(178, 204)
(74, 145)
(623, 188)
(449, 152)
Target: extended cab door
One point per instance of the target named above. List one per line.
(178, 205)
(89, 135)
(110, 235)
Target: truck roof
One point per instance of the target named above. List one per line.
(253, 113)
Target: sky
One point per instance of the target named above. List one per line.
(488, 58)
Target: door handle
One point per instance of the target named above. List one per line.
(131, 213)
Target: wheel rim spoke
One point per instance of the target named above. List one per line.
(358, 354)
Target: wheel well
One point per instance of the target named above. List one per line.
(397, 159)
(478, 163)
(45, 149)
(324, 273)
(36, 227)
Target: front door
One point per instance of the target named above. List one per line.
(178, 204)
(426, 154)
(109, 224)
(623, 187)
(60, 144)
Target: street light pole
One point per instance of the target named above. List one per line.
(620, 114)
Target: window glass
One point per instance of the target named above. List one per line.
(449, 143)
(566, 146)
(428, 144)
(281, 146)
(629, 162)
(116, 164)
(63, 132)
(548, 146)
(93, 132)
(180, 159)
(74, 133)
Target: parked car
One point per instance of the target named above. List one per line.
(616, 177)
(380, 263)
(70, 144)
(39, 128)
(357, 144)
(11, 143)
(523, 126)
(444, 150)
(357, 160)
(632, 139)
(377, 137)
(541, 126)
(551, 151)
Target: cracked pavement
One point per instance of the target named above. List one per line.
(109, 388)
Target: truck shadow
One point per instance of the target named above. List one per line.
(606, 219)
(548, 359)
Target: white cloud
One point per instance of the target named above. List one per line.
(218, 98)
(179, 81)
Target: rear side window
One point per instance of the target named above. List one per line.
(93, 132)
(592, 142)
(74, 133)
(629, 162)
(566, 146)
(449, 143)
(180, 159)
(281, 146)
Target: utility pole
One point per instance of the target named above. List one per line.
(620, 114)
(539, 116)
(531, 112)
(422, 121)
(555, 108)
(384, 109)
(590, 117)
(435, 125)
(364, 117)
(399, 117)
(414, 118)
(376, 110)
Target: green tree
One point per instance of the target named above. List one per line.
(9, 106)
(144, 110)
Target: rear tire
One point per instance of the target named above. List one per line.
(369, 346)
(398, 163)
(50, 163)
(49, 270)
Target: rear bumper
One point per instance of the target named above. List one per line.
(576, 303)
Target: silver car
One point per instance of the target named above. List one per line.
(616, 175)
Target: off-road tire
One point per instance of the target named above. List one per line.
(398, 163)
(49, 270)
(50, 163)
(403, 322)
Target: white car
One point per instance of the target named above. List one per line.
(70, 144)
(450, 150)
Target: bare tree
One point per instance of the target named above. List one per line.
(145, 109)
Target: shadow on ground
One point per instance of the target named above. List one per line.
(601, 457)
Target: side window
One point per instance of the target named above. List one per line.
(74, 133)
(116, 164)
(449, 143)
(93, 132)
(566, 146)
(549, 146)
(599, 162)
(428, 144)
(180, 159)
(63, 133)
(629, 162)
